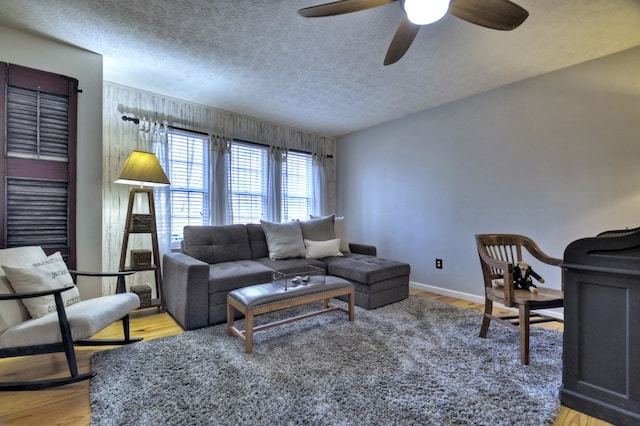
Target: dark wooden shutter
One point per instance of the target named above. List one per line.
(39, 161)
(37, 124)
(37, 212)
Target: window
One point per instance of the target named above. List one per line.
(249, 184)
(189, 190)
(38, 168)
(296, 186)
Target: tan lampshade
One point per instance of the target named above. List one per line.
(144, 169)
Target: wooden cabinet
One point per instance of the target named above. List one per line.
(601, 352)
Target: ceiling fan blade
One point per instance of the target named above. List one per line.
(405, 34)
(341, 7)
(495, 14)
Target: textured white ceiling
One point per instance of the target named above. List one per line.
(324, 75)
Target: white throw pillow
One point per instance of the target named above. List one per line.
(320, 249)
(46, 274)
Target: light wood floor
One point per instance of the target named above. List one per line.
(69, 405)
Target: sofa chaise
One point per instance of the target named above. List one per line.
(215, 260)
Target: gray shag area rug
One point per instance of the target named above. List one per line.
(415, 362)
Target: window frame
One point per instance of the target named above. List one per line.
(172, 136)
(281, 186)
(250, 192)
(290, 173)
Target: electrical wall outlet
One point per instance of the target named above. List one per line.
(438, 263)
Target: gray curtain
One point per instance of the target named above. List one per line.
(219, 165)
(277, 156)
(319, 191)
(158, 144)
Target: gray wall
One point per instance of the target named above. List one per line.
(34, 52)
(554, 157)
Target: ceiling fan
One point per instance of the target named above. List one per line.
(495, 14)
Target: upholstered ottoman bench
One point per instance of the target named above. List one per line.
(262, 298)
(377, 281)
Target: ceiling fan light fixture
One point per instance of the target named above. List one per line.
(423, 12)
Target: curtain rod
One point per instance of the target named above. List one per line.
(299, 151)
(137, 121)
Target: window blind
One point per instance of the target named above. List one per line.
(188, 171)
(248, 182)
(296, 186)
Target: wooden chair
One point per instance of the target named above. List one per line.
(21, 335)
(499, 253)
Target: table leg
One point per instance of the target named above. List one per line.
(248, 332)
(230, 314)
(352, 297)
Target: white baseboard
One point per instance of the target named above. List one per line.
(554, 313)
(446, 292)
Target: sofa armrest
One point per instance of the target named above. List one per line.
(185, 291)
(363, 249)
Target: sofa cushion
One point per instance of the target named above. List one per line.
(257, 241)
(283, 239)
(46, 274)
(321, 249)
(366, 269)
(215, 244)
(320, 229)
(86, 318)
(224, 276)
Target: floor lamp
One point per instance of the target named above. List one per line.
(143, 170)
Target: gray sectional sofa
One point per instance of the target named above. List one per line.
(217, 259)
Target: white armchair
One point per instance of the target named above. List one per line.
(24, 333)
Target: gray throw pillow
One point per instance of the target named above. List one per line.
(284, 239)
(339, 231)
(320, 229)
